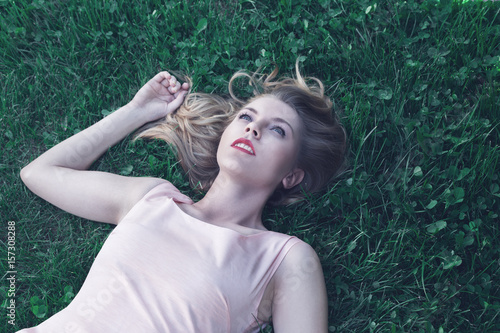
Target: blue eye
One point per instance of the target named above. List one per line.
(245, 117)
(279, 130)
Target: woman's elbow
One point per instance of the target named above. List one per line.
(27, 174)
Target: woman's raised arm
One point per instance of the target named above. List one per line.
(60, 176)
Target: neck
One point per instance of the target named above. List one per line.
(232, 205)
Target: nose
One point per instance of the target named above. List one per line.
(253, 129)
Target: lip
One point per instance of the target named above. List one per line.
(245, 142)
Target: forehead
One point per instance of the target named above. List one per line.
(273, 107)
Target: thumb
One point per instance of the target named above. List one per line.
(181, 198)
(177, 102)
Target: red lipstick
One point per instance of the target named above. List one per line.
(244, 145)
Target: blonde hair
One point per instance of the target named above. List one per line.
(196, 127)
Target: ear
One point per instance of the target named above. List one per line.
(293, 178)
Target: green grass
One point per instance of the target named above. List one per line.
(408, 235)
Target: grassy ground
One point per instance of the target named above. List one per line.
(408, 236)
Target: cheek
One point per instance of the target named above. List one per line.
(225, 141)
(230, 131)
(225, 136)
(285, 158)
(220, 149)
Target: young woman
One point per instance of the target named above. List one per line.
(174, 265)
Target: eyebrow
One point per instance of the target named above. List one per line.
(275, 119)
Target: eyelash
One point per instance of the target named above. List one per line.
(243, 115)
(277, 129)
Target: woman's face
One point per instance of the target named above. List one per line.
(261, 145)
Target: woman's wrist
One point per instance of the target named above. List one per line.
(138, 114)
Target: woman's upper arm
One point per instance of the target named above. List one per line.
(94, 195)
(300, 300)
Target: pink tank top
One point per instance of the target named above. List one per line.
(161, 270)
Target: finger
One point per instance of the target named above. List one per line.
(173, 81)
(183, 200)
(160, 77)
(166, 78)
(182, 88)
(175, 88)
(177, 102)
(165, 83)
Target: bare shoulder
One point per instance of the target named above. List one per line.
(301, 262)
(299, 254)
(300, 299)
